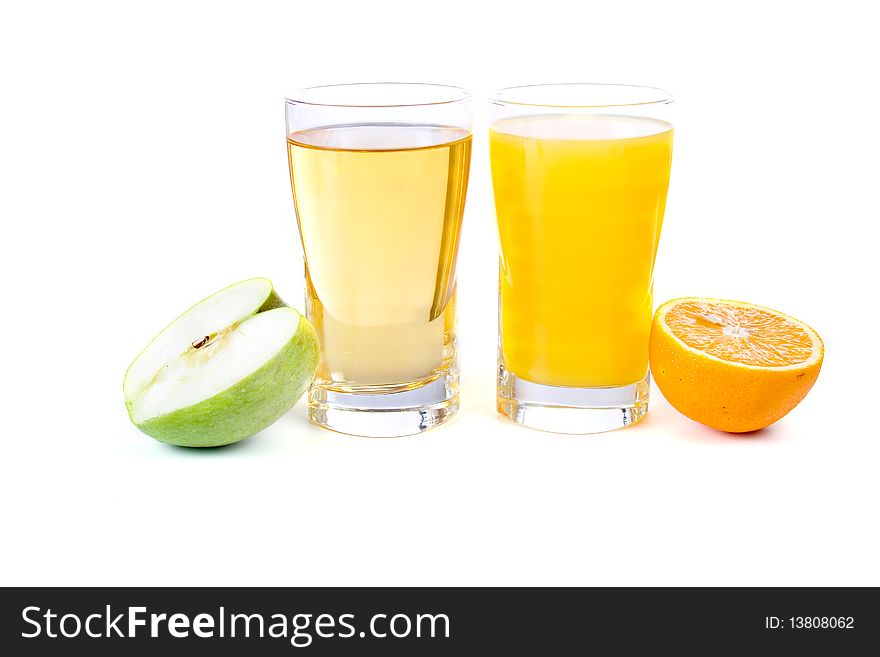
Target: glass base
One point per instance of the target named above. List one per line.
(563, 409)
(385, 414)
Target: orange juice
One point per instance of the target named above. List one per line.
(580, 201)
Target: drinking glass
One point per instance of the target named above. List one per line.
(580, 174)
(379, 173)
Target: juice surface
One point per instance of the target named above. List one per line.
(580, 203)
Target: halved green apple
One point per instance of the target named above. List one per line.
(225, 369)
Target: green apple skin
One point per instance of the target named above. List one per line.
(272, 302)
(252, 404)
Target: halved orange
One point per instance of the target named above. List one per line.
(731, 365)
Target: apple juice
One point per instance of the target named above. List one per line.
(379, 208)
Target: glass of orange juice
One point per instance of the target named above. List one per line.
(580, 174)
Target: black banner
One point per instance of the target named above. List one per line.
(416, 621)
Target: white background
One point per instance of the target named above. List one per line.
(143, 166)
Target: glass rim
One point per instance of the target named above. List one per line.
(657, 95)
(298, 99)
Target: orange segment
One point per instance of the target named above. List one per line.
(731, 365)
(740, 333)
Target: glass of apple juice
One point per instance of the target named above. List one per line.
(379, 173)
